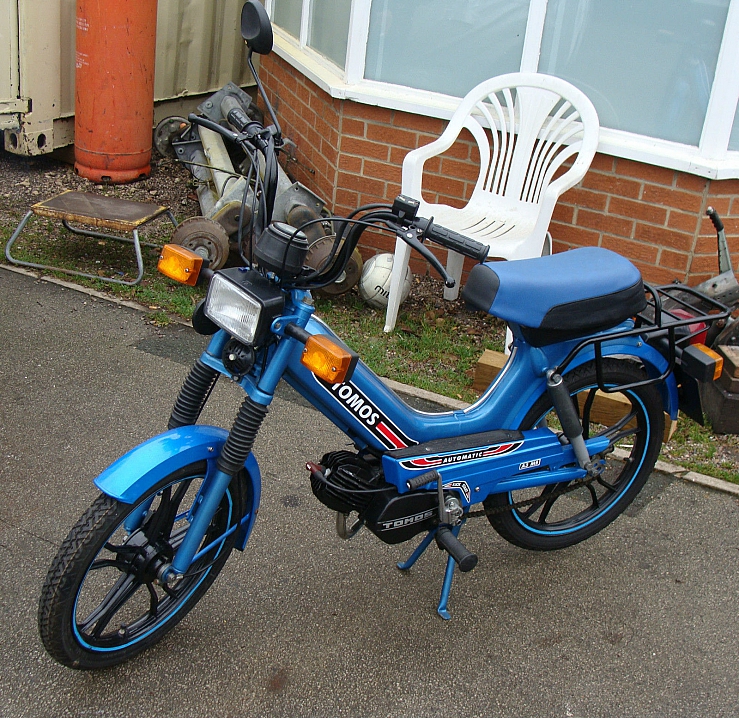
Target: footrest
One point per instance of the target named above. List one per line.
(100, 212)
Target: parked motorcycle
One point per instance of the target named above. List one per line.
(533, 454)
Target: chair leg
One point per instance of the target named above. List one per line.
(546, 250)
(400, 262)
(454, 264)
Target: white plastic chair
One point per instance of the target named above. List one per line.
(540, 123)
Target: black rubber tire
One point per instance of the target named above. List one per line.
(574, 517)
(85, 560)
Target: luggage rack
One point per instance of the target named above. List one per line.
(666, 310)
(101, 212)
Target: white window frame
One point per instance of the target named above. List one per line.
(711, 158)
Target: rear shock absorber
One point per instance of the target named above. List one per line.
(571, 424)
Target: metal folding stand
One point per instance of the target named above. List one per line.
(448, 574)
(92, 210)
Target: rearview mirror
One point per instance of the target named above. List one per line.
(256, 29)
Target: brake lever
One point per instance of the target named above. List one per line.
(410, 235)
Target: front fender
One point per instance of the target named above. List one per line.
(129, 477)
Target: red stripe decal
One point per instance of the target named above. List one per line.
(390, 435)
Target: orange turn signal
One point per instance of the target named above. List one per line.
(718, 366)
(327, 360)
(179, 263)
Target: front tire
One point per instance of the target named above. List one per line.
(556, 520)
(100, 603)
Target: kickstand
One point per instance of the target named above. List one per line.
(448, 574)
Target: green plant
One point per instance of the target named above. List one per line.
(698, 448)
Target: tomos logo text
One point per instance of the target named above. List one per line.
(353, 400)
(357, 402)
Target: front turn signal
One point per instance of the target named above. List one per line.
(179, 263)
(327, 360)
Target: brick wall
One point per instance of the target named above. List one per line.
(351, 154)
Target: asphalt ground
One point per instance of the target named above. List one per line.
(640, 620)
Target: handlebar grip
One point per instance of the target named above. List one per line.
(715, 219)
(466, 560)
(232, 110)
(453, 240)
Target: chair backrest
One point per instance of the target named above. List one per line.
(527, 125)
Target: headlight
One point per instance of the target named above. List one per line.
(244, 303)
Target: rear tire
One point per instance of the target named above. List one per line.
(100, 604)
(570, 518)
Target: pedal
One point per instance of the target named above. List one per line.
(445, 539)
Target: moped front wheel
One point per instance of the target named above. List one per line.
(101, 602)
(560, 515)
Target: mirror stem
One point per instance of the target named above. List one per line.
(263, 94)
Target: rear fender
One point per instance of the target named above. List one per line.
(131, 476)
(654, 363)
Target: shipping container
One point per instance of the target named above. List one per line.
(199, 49)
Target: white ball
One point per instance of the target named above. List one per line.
(374, 284)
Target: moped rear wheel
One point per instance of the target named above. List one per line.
(556, 518)
(101, 603)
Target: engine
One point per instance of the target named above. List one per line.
(346, 482)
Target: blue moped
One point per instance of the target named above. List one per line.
(535, 455)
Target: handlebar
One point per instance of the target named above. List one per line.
(402, 219)
(214, 126)
(232, 110)
(252, 136)
(248, 130)
(413, 229)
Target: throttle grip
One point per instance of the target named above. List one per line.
(466, 560)
(452, 240)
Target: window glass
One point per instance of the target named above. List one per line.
(286, 14)
(734, 139)
(329, 28)
(647, 65)
(444, 46)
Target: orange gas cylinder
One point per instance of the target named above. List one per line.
(114, 89)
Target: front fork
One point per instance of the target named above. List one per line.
(235, 451)
(186, 412)
(238, 446)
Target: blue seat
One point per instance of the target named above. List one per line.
(561, 296)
